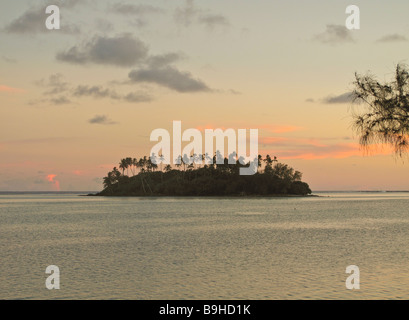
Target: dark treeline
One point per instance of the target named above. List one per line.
(142, 177)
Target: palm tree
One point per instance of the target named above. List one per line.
(145, 162)
(386, 119)
(149, 165)
(154, 166)
(168, 168)
(129, 165)
(185, 161)
(178, 161)
(123, 165)
(108, 181)
(219, 157)
(259, 159)
(135, 164)
(141, 165)
(297, 176)
(195, 158)
(116, 173)
(112, 178)
(161, 159)
(207, 158)
(202, 157)
(268, 161)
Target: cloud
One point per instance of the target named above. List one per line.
(55, 83)
(186, 14)
(214, 20)
(314, 149)
(100, 92)
(392, 38)
(51, 178)
(32, 21)
(133, 9)
(139, 11)
(101, 119)
(334, 34)
(9, 60)
(70, 3)
(189, 14)
(60, 100)
(346, 97)
(159, 61)
(104, 25)
(271, 128)
(95, 91)
(234, 92)
(169, 77)
(281, 129)
(128, 51)
(337, 151)
(8, 89)
(38, 181)
(121, 51)
(134, 97)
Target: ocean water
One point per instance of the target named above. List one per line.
(204, 248)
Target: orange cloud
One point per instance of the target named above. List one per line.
(208, 126)
(273, 140)
(51, 177)
(4, 88)
(335, 151)
(56, 183)
(280, 129)
(267, 127)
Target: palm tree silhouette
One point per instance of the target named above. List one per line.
(178, 161)
(123, 165)
(161, 159)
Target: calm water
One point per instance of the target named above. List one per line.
(168, 248)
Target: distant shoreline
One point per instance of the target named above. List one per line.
(212, 197)
(91, 193)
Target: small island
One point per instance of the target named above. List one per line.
(141, 177)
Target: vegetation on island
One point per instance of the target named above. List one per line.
(142, 177)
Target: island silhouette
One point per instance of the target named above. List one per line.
(143, 177)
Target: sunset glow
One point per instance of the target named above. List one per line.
(75, 100)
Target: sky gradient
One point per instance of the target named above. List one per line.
(75, 101)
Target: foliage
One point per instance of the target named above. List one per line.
(209, 180)
(387, 117)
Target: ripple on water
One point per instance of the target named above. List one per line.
(204, 248)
